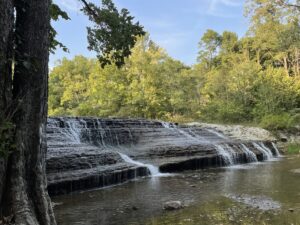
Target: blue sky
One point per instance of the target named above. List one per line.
(175, 25)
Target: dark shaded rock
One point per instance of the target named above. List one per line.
(134, 208)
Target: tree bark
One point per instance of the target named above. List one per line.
(286, 66)
(296, 62)
(6, 43)
(26, 196)
(258, 57)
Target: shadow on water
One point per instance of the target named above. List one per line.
(257, 193)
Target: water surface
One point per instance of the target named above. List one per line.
(258, 193)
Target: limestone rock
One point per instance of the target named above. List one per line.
(84, 152)
(173, 205)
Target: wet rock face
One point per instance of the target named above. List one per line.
(83, 153)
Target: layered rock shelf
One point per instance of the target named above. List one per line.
(86, 153)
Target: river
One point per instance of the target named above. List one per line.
(256, 193)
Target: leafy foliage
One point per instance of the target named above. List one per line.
(251, 79)
(114, 33)
(56, 13)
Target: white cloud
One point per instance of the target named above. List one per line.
(69, 5)
(216, 7)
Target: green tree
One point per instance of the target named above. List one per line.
(209, 46)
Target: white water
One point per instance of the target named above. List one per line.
(276, 150)
(73, 132)
(267, 155)
(192, 136)
(154, 171)
(267, 149)
(101, 134)
(226, 156)
(216, 133)
(233, 153)
(166, 125)
(250, 155)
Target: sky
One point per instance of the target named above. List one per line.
(175, 25)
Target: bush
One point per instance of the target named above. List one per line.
(295, 120)
(293, 148)
(276, 122)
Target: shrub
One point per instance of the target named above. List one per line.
(293, 148)
(276, 122)
(295, 120)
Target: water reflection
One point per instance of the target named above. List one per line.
(140, 202)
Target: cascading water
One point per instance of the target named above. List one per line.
(266, 154)
(234, 155)
(225, 155)
(95, 150)
(267, 150)
(216, 133)
(73, 133)
(190, 134)
(226, 152)
(276, 150)
(251, 157)
(154, 171)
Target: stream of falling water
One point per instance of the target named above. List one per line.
(226, 152)
(154, 170)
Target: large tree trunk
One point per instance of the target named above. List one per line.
(26, 196)
(6, 37)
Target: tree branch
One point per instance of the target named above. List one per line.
(87, 6)
(287, 4)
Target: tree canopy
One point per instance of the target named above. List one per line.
(254, 78)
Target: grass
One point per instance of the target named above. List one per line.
(293, 149)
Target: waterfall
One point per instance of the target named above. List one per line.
(73, 133)
(166, 124)
(251, 157)
(216, 133)
(276, 150)
(154, 171)
(225, 155)
(266, 154)
(100, 131)
(234, 154)
(190, 134)
(267, 150)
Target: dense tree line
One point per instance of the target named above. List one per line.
(255, 78)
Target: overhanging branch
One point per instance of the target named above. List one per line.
(87, 6)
